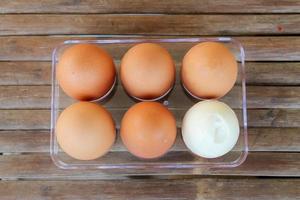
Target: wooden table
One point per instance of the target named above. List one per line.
(269, 31)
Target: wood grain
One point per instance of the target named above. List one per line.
(150, 6)
(40, 119)
(38, 97)
(273, 73)
(40, 166)
(25, 73)
(258, 73)
(147, 24)
(260, 139)
(268, 30)
(205, 188)
(39, 48)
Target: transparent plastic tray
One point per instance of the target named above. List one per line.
(178, 159)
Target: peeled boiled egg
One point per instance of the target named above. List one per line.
(148, 130)
(86, 72)
(85, 131)
(209, 70)
(147, 71)
(210, 129)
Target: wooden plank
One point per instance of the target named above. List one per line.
(40, 166)
(38, 97)
(260, 139)
(204, 188)
(35, 24)
(24, 141)
(39, 48)
(274, 139)
(258, 73)
(258, 164)
(40, 119)
(273, 118)
(147, 6)
(25, 73)
(25, 119)
(267, 97)
(273, 73)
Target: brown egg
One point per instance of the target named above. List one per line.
(85, 131)
(85, 72)
(209, 70)
(148, 129)
(147, 71)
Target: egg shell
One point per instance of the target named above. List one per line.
(86, 72)
(147, 71)
(148, 130)
(85, 131)
(209, 70)
(210, 129)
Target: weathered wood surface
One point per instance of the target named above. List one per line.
(38, 97)
(40, 166)
(260, 139)
(150, 6)
(147, 24)
(258, 73)
(205, 188)
(269, 31)
(40, 119)
(39, 48)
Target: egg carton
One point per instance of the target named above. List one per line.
(178, 159)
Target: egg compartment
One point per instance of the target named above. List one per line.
(179, 159)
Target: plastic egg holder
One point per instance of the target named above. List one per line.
(118, 160)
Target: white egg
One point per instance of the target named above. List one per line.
(210, 129)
